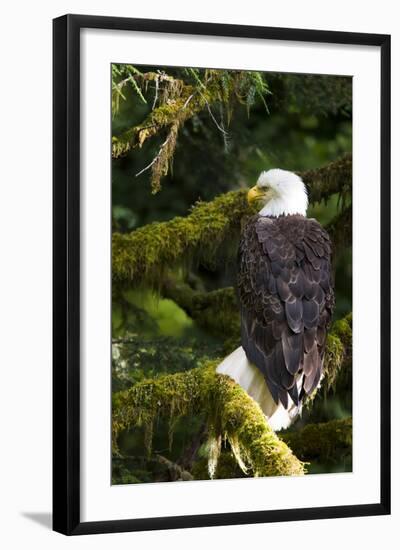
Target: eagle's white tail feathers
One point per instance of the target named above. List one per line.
(237, 367)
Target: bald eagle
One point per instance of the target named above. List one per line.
(286, 299)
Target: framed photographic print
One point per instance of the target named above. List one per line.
(221, 274)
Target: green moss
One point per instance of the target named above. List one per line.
(176, 111)
(144, 254)
(334, 354)
(177, 101)
(232, 416)
(227, 467)
(183, 104)
(181, 101)
(338, 356)
(322, 441)
(335, 177)
(338, 353)
(343, 329)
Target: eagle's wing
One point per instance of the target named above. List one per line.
(286, 296)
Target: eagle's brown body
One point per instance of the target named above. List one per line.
(286, 298)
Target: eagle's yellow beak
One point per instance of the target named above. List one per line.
(255, 194)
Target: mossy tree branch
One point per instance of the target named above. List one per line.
(159, 467)
(232, 416)
(335, 177)
(338, 357)
(180, 101)
(177, 110)
(338, 353)
(144, 254)
(217, 312)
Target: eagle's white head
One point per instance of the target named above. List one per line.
(279, 192)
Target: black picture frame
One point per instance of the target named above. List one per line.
(66, 273)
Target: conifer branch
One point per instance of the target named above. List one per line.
(232, 416)
(335, 177)
(178, 102)
(144, 254)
